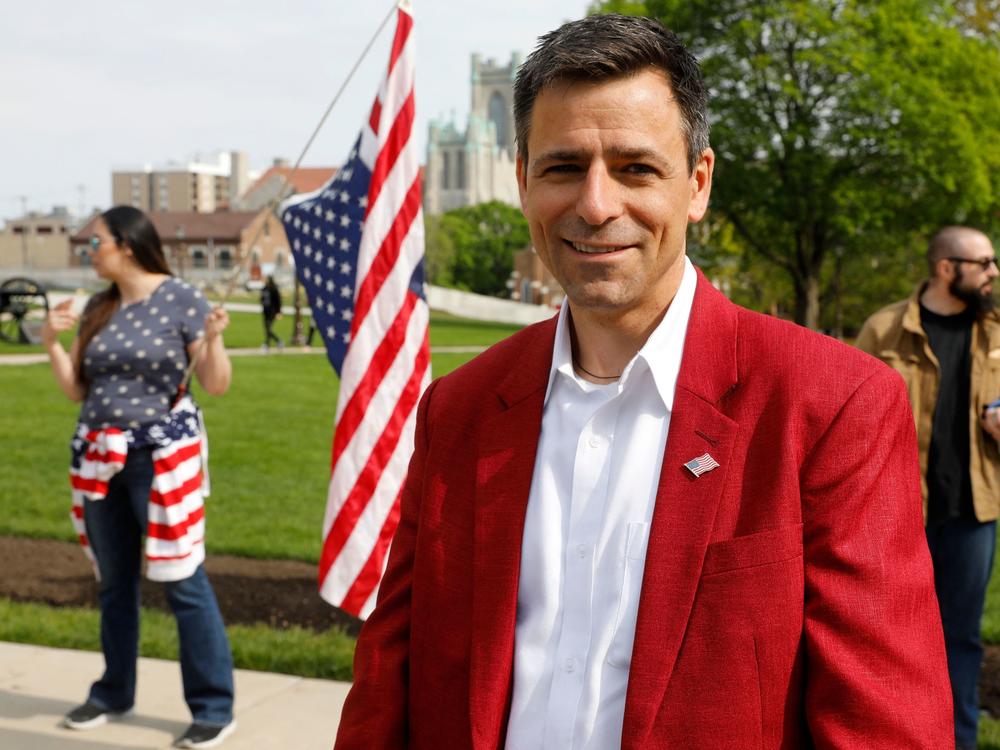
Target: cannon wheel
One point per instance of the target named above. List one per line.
(23, 307)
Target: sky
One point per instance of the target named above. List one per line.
(87, 87)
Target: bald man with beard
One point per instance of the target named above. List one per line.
(945, 342)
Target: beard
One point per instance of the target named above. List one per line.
(976, 299)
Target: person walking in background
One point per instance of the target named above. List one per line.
(138, 467)
(945, 342)
(270, 304)
(657, 519)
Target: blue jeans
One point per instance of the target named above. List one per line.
(116, 526)
(962, 552)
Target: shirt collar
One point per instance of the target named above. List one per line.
(660, 355)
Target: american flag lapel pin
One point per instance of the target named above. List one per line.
(701, 464)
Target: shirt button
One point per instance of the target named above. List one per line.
(570, 665)
(594, 441)
(581, 550)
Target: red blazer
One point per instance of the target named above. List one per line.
(787, 601)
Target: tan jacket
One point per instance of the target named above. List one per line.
(895, 336)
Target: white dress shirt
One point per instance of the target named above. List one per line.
(584, 547)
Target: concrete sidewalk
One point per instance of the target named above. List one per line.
(38, 685)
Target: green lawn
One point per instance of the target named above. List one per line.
(269, 441)
(246, 330)
(289, 651)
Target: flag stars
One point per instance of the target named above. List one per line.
(347, 315)
(345, 221)
(345, 268)
(306, 228)
(319, 256)
(317, 233)
(330, 309)
(345, 291)
(363, 201)
(344, 196)
(318, 210)
(330, 216)
(330, 286)
(330, 262)
(345, 245)
(331, 239)
(331, 332)
(347, 338)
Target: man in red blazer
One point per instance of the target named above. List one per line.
(659, 520)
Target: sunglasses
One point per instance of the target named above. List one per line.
(983, 263)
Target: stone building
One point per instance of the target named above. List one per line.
(475, 164)
(36, 241)
(202, 186)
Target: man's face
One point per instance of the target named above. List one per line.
(607, 194)
(972, 283)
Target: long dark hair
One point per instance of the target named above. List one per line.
(131, 229)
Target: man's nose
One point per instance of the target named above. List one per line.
(600, 198)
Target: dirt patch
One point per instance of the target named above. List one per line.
(279, 593)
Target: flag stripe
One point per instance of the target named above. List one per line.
(384, 356)
(371, 573)
(360, 494)
(397, 140)
(344, 475)
(387, 256)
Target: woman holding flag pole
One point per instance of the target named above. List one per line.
(138, 465)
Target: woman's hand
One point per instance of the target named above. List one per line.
(215, 323)
(60, 319)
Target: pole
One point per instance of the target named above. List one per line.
(24, 231)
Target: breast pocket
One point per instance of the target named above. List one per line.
(620, 651)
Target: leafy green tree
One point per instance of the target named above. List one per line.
(472, 248)
(844, 130)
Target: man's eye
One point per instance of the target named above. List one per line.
(640, 169)
(562, 169)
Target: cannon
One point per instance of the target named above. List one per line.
(23, 307)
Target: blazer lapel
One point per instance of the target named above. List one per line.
(504, 469)
(685, 507)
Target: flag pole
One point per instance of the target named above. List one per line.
(283, 193)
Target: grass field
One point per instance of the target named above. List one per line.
(269, 440)
(246, 330)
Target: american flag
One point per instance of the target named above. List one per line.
(358, 244)
(701, 465)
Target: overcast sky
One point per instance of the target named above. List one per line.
(89, 86)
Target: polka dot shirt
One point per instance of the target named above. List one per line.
(135, 364)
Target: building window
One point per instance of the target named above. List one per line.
(498, 114)
(446, 170)
(280, 258)
(224, 258)
(460, 169)
(42, 229)
(199, 258)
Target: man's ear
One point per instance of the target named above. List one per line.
(701, 185)
(522, 182)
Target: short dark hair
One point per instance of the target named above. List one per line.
(606, 46)
(947, 243)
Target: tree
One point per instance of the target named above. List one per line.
(472, 248)
(843, 129)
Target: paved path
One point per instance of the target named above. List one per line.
(273, 711)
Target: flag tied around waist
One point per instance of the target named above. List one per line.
(358, 244)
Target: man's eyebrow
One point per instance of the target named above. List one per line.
(620, 153)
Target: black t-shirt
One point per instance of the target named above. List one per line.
(949, 483)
